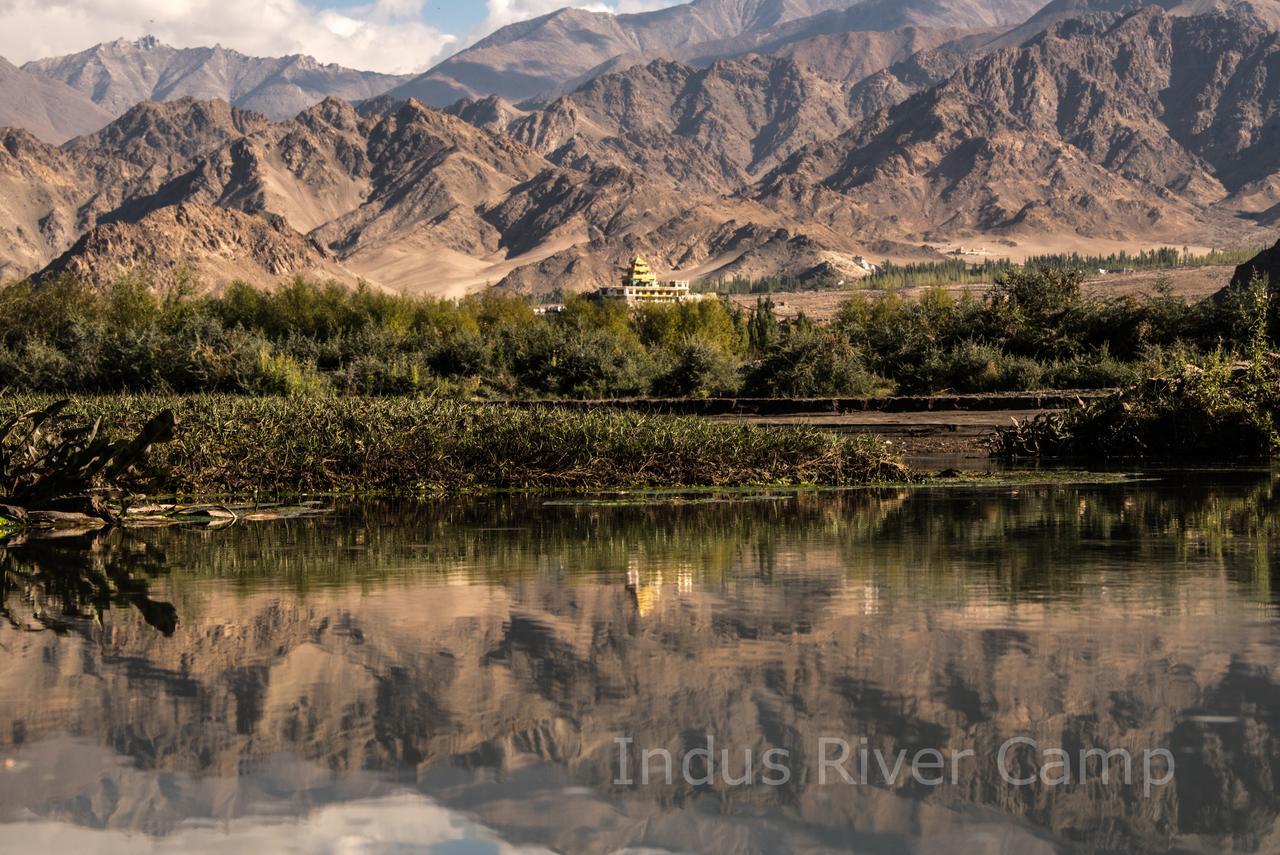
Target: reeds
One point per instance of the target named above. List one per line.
(230, 445)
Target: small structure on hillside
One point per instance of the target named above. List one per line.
(865, 265)
(640, 285)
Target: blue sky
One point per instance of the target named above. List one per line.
(469, 20)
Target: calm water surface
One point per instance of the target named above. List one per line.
(455, 678)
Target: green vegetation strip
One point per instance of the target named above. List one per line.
(1028, 478)
(1033, 330)
(1216, 410)
(231, 445)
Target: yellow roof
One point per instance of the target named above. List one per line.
(640, 273)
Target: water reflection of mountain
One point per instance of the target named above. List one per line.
(489, 654)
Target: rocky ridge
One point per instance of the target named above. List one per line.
(533, 58)
(200, 243)
(1119, 129)
(117, 75)
(1137, 126)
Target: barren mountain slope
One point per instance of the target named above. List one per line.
(1125, 130)
(48, 109)
(150, 144)
(307, 170)
(41, 190)
(402, 195)
(213, 245)
(431, 176)
(711, 129)
(464, 223)
(891, 83)
(718, 239)
(1264, 12)
(536, 57)
(49, 196)
(834, 44)
(419, 199)
(854, 56)
(119, 74)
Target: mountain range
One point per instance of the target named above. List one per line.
(536, 57)
(1087, 122)
(49, 109)
(117, 75)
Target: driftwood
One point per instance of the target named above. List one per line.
(53, 473)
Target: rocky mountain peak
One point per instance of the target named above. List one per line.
(116, 75)
(784, 146)
(213, 244)
(331, 113)
(533, 59)
(19, 142)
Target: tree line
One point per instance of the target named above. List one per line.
(1035, 329)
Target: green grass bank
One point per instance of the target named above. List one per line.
(245, 446)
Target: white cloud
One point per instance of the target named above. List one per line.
(504, 12)
(386, 35)
(631, 6)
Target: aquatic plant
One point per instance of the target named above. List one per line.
(281, 445)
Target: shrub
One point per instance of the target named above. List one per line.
(811, 363)
(461, 355)
(1098, 371)
(598, 364)
(38, 365)
(699, 369)
(278, 374)
(1035, 329)
(1216, 410)
(399, 375)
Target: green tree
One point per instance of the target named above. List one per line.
(810, 362)
(700, 369)
(762, 327)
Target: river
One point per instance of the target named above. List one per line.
(492, 675)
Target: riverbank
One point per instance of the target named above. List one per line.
(1219, 410)
(251, 446)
